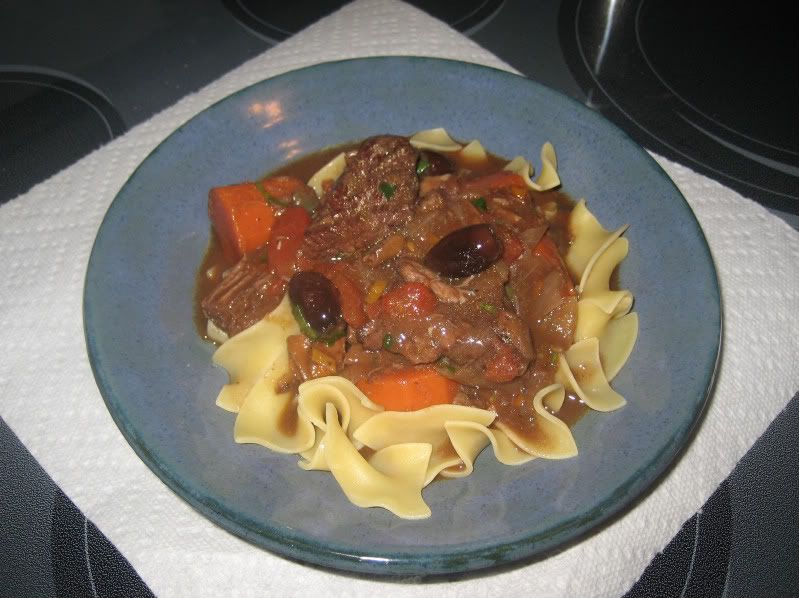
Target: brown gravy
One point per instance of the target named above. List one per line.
(214, 263)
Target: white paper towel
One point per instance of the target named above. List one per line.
(50, 400)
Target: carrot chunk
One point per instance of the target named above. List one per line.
(241, 218)
(409, 389)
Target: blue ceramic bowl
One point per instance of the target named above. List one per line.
(159, 385)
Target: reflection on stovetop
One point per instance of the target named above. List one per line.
(76, 74)
(47, 122)
(276, 21)
(700, 85)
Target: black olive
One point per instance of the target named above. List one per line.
(317, 300)
(305, 197)
(433, 164)
(464, 252)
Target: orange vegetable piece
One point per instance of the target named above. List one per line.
(241, 218)
(504, 365)
(409, 389)
(410, 299)
(497, 180)
(286, 239)
(512, 248)
(547, 249)
(350, 296)
(282, 187)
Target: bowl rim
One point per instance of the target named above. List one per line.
(452, 560)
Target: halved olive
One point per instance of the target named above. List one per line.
(305, 197)
(433, 164)
(316, 299)
(464, 251)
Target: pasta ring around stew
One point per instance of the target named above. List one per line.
(385, 458)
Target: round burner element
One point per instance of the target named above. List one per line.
(707, 85)
(48, 121)
(277, 21)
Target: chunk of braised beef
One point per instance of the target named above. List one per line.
(419, 340)
(373, 197)
(360, 363)
(476, 341)
(512, 329)
(413, 271)
(544, 298)
(481, 357)
(247, 292)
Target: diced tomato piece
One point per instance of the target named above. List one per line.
(547, 249)
(282, 188)
(286, 239)
(350, 294)
(512, 248)
(410, 299)
(504, 365)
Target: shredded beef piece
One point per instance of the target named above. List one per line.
(413, 271)
(246, 294)
(419, 340)
(372, 198)
(545, 298)
(360, 364)
(515, 332)
(483, 342)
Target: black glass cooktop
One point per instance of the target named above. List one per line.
(712, 85)
(708, 85)
(275, 21)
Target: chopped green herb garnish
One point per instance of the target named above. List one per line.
(488, 308)
(447, 364)
(554, 358)
(387, 189)
(480, 204)
(328, 337)
(331, 336)
(305, 327)
(421, 166)
(510, 292)
(388, 340)
(269, 197)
